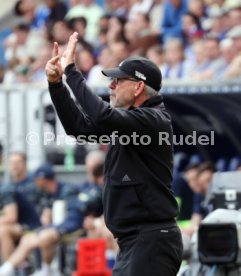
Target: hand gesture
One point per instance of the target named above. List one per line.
(69, 54)
(53, 67)
(56, 65)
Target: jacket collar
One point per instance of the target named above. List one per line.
(153, 101)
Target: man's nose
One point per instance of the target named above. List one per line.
(112, 85)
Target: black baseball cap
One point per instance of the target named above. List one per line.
(139, 68)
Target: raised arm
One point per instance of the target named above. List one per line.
(73, 120)
(100, 113)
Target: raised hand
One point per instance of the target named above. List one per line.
(53, 67)
(69, 54)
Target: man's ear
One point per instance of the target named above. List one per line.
(139, 87)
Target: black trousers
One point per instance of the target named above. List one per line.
(154, 253)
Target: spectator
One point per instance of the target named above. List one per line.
(33, 206)
(22, 43)
(228, 54)
(92, 160)
(141, 22)
(185, 187)
(197, 8)
(139, 6)
(18, 169)
(118, 7)
(143, 38)
(172, 16)
(87, 202)
(115, 31)
(155, 53)
(56, 11)
(46, 181)
(105, 60)
(91, 12)
(18, 215)
(190, 25)
(214, 62)
(204, 178)
(156, 15)
(9, 74)
(26, 9)
(60, 32)
(79, 25)
(40, 15)
(119, 50)
(104, 22)
(235, 35)
(192, 32)
(199, 62)
(175, 66)
(218, 22)
(234, 15)
(234, 69)
(85, 60)
(23, 181)
(130, 32)
(37, 68)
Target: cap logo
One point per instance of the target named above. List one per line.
(140, 75)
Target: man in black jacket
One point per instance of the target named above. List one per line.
(139, 205)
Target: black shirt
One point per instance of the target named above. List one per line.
(27, 214)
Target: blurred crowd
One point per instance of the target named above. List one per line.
(188, 39)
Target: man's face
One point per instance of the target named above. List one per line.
(122, 92)
(204, 180)
(41, 183)
(234, 17)
(192, 179)
(212, 49)
(174, 52)
(44, 184)
(17, 166)
(237, 44)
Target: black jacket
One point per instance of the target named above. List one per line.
(137, 194)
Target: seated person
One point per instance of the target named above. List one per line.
(88, 201)
(18, 215)
(33, 206)
(17, 167)
(51, 189)
(204, 178)
(184, 187)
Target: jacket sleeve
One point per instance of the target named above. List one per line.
(139, 120)
(74, 121)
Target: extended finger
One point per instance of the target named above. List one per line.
(72, 44)
(56, 49)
